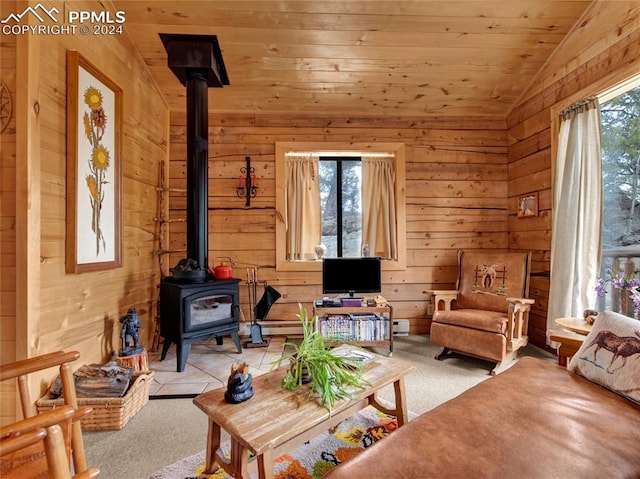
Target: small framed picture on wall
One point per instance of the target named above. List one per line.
(528, 205)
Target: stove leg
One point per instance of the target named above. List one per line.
(182, 351)
(165, 349)
(236, 340)
(219, 340)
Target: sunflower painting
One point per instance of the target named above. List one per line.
(94, 211)
(95, 123)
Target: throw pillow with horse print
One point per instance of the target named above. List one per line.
(610, 355)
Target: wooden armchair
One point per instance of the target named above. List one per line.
(20, 371)
(487, 316)
(36, 447)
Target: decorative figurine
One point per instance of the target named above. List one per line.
(130, 326)
(239, 387)
(590, 316)
(320, 250)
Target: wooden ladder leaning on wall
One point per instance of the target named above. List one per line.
(162, 219)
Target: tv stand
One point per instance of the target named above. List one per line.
(364, 325)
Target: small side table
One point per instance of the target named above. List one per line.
(576, 325)
(571, 339)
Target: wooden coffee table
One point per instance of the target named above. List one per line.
(275, 421)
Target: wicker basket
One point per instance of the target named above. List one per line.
(109, 413)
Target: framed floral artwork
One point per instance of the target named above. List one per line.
(94, 175)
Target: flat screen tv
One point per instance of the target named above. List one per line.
(351, 276)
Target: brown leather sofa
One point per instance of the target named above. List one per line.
(535, 420)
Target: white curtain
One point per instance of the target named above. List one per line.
(303, 217)
(577, 217)
(379, 206)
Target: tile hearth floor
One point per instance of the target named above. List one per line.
(208, 366)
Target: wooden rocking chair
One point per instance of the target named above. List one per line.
(487, 316)
(46, 435)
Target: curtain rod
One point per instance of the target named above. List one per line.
(581, 105)
(339, 153)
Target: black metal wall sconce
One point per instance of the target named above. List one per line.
(247, 185)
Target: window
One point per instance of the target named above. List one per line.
(620, 123)
(347, 210)
(620, 119)
(341, 206)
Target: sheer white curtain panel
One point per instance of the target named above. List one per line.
(577, 212)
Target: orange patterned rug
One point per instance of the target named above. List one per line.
(311, 460)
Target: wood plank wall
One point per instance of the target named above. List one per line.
(456, 198)
(603, 51)
(82, 311)
(8, 214)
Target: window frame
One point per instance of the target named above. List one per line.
(338, 149)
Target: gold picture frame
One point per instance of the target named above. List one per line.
(528, 205)
(94, 173)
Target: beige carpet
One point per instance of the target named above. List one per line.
(167, 430)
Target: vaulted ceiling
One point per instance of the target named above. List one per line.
(350, 57)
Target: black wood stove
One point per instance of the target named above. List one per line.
(191, 312)
(193, 305)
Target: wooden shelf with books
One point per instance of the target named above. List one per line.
(364, 325)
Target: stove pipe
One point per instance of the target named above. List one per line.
(197, 62)
(197, 169)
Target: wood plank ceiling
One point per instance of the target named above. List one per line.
(347, 57)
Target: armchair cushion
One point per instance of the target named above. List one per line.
(486, 279)
(492, 321)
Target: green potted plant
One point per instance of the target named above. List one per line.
(331, 376)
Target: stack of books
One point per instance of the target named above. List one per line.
(354, 327)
